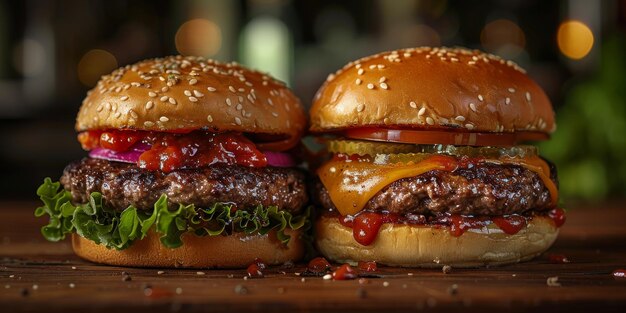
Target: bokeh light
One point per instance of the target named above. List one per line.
(198, 37)
(29, 57)
(503, 37)
(266, 45)
(575, 39)
(94, 64)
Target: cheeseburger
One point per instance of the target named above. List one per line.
(429, 164)
(188, 166)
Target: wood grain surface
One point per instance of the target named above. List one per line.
(40, 276)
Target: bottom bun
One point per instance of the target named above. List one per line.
(423, 246)
(234, 251)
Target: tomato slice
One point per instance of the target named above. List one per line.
(443, 137)
(119, 141)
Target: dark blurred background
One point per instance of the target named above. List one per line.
(52, 52)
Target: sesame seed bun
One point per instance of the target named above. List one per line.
(433, 88)
(234, 251)
(423, 246)
(187, 93)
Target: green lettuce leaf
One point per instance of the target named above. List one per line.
(105, 226)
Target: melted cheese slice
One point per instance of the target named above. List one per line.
(351, 184)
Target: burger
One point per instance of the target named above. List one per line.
(429, 162)
(189, 165)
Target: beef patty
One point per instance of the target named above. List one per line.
(123, 184)
(484, 189)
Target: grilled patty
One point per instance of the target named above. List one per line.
(123, 184)
(485, 189)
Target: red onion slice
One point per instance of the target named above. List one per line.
(279, 159)
(130, 156)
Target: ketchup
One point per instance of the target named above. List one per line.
(368, 266)
(172, 151)
(510, 224)
(558, 258)
(344, 272)
(318, 265)
(365, 227)
(255, 269)
(459, 224)
(558, 216)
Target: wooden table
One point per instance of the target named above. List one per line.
(36, 275)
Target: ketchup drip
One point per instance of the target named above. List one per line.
(255, 270)
(620, 273)
(558, 216)
(368, 266)
(510, 224)
(558, 258)
(344, 272)
(318, 265)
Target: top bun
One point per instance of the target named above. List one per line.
(433, 88)
(187, 93)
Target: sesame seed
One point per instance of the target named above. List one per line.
(211, 89)
(163, 119)
(193, 81)
(133, 114)
(148, 124)
(238, 107)
(507, 100)
(460, 118)
(512, 90)
(240, 98)
(469, 126)
(370, 86)
(124, 98)
(164, 89)
(472, 106)
(373, 66)
(193, 99)
(480, 97)
(360, 71)
(232, 89)
(454, 59)
(152, 94)
(382, 79)
(149, 105)
(172, 100)
(187, 93)
(229, 102)
(200, 273)
(117, 114)
(383, 86)
(358, 81)
(198, 94)
(528, 96)
(99, 108)
(381, 66)
(421, 112)
(360, 108)
(241, 90)
(413, 104)
(237, 121)
(209, 118)
(164, 98)
(430, 121)
(270, 102)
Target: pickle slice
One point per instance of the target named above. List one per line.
(384, 152)
(369, 147)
